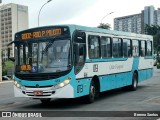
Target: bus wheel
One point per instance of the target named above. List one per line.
(134, 85)
(45, 101)
(92, 93)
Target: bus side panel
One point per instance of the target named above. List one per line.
(145, 68)
(113, 81)
(145, 74)
(81, 87)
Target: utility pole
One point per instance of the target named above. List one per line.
(0, 65)
(41, 9)
(0, 58)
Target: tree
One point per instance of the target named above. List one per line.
(6, 66)
(153, 30)
(104, 26)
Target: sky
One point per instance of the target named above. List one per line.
(81, 12)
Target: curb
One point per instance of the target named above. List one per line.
(7, 81)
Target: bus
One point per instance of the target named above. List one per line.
(71, 61)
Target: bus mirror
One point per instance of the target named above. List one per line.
(9, 57)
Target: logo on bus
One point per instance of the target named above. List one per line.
(95, 68)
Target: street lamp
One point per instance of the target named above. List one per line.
(106, 16)
(41, 9)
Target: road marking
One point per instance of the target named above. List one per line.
(8, 81)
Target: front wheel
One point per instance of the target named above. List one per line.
(92, 93)
(134, 85)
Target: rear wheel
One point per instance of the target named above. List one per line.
(134, 85)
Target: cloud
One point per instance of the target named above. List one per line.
(58, 11)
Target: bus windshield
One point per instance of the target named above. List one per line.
(43, 56)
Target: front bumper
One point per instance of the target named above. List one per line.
(48, 92)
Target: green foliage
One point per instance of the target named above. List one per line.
(153, 30)
(104, 26)
(5, 66)
(158, 65)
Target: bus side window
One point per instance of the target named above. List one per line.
(117, 47)
(135, 48)
(127, 50)
(105, 47)
(149, 48)
(142, 48)
(94, 46)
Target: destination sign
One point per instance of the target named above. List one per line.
(41, 33)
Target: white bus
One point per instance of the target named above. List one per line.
(70, 61)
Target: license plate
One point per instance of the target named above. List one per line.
(37, 93)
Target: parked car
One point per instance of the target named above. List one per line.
(5, 78)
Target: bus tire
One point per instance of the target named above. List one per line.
(134, 85)
(45, 101)
(92, 93)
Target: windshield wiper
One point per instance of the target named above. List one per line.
(49, 44)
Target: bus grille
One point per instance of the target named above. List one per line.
(47, 93)
(36, 77)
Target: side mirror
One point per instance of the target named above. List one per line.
(9, 56)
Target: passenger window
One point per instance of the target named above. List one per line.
(94, 46)
(127, 49)
(106, 47)
(117, 47)
(149, 48)
(142, 48)
(135, 48)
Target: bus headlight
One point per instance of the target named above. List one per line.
(17, 84)
(64, 83)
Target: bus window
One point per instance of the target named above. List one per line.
(135, 48)
(142, 48)
(117, 47)
(94, 47)
(149, 48)
(127, 51)
(106, 47)
(79, 49)
(79, 37)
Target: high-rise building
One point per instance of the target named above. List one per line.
(136, 23)
(13, 18)
(131, 23)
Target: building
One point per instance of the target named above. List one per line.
(13, 18)
(136, 23)
(130, 23)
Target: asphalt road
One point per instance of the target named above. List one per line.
(146, 98)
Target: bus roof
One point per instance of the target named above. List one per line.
(97, 30)
(113, 32)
